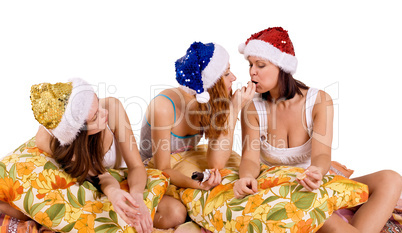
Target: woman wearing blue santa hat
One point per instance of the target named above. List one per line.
(177, 118)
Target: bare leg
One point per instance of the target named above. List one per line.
(171, 213)
(385, 189)
(11, 211)
(336, 224)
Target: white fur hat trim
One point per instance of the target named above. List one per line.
(216, 67)
(262, 49)
(76, 113)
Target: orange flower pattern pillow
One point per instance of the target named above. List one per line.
(281, 204)
(32, 182)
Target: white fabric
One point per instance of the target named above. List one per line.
(216, 67)
(109, 159)
(269, 52)
(76, 113)
(296, 156)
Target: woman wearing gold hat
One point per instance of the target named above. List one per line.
(86, 135)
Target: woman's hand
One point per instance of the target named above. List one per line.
(142, 221)
(313, 179)
(124, 204)
(214, 180)
(242, 96)
(245, 186)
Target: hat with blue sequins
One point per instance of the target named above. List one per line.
(201, 68)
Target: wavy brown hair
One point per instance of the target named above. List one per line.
(214, 114)
(288, 87)
(83, 155)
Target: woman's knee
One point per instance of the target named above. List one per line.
(335, 224)
(390, 177)
(177, 213)
(171, 212)
(385, 181)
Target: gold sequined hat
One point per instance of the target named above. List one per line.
(62, 108)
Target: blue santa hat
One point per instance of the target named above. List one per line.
(201, 68)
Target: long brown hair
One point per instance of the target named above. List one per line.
(214, 114)
(288, 87)
(83, 155)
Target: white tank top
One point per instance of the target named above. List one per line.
(299, 156)
(109, 159)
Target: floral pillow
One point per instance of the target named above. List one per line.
(281, 204)
(33, 183)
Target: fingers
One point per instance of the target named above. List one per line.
(254, 186)
(144, 221)
(143, 226)
(250, 88)
(314, 175)
(218, 177)
(214, 180)
(124, 216)
(309, 184)
(138, 227)
(244, 187)
(131, 200)
(237, 194)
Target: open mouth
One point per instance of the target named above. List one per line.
(255, 82)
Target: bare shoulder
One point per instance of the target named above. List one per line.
(162, 103)
(249, 108)
(323, 104)
(323, 98)
(250, 113)
(109, 103)
(43, 139)
(174, 94)
(116, 112)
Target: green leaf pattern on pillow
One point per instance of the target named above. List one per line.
(280, 205)
(32, 182)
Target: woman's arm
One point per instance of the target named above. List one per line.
(250, 159)
(323, 114)
(137, 177)
(43, 139)
(123, 203)
(161, 117)
(120, 125)
(220, 149)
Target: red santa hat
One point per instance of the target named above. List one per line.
(274, 45)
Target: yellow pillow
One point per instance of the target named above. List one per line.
(190, 161)
(33, 183)
(281, 205)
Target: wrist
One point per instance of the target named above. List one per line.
(318, 169)
(137, 194)
(109, 191)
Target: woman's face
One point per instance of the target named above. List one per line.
(97, 118)
(263, 73)
(228, 78)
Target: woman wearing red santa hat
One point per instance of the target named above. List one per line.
(289, 123)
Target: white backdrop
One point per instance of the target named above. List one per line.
(350, 49)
